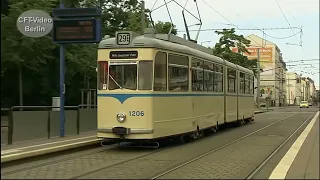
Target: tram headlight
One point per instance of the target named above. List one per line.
(121, 117)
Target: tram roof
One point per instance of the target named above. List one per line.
(167, 42)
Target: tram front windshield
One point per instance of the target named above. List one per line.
(123, 76)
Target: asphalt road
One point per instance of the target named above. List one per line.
(235, 160)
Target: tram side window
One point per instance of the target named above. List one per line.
(242, 83)
(103, 74)
(178, 70)
(251, 85)
(145, 75)
(247, 84)
(197, 75)
(218, 78)
(208, 76)
(231, 80)
(160, 72)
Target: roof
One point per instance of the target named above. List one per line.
(168, 42)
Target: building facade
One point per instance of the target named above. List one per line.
(272, 78)
(317, 97)
(293, 88)
(312, 88)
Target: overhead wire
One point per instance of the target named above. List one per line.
(287, 20)
(281, 37)
(300, 43)
(236, 25)
(299, 60)
(253, 29)
(241, 29)
(229, 21)
(262, 47)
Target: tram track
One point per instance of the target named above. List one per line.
(255, 170)
(137, 158)
(125, 161)
(263, 163)
(102, 150)
(60, 159)
(120, 160)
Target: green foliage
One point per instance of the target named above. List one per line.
(164, 27)
(38, 58)
(228, 40)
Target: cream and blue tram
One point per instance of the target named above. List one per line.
(153, 86)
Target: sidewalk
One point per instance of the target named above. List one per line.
(261, 110)
(306, 163)
(40, 147)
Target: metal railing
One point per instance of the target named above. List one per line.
(49, 109)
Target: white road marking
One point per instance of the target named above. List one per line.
(282, 168)
(9, 151)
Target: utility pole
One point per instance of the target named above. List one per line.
(303, 93)
(20, 87)
(62, 84)
(143, 17)
(289, 94)
(258, 79)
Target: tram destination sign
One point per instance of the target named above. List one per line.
(83, 30)
(123, 55)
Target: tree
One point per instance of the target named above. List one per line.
(164, 28)
(38, 58)
(228, 40)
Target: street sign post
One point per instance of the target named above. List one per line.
(70, 26)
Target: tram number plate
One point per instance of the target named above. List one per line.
(120, 130)
(123, 39)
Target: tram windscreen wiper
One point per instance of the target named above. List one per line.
(115, 81)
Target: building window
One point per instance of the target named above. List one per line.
(160, 72)
(178, 71)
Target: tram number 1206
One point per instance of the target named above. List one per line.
(136, 113)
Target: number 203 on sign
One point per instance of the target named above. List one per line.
(136, 113)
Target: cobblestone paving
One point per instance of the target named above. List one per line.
(234, 161)
(132, 170)
(77, 166)
(231, 162)
(45, 161)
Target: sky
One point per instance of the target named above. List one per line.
(255, 14)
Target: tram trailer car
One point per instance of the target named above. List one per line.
(153, 86)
